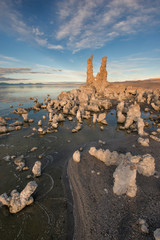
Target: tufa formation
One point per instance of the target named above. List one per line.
(101, 77)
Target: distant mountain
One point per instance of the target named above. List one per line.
(52, 84)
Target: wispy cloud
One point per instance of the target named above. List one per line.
(91, 23)
(9, 58)
(12, 21)
(40, 72)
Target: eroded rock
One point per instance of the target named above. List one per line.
(17, 201)
(36, 170)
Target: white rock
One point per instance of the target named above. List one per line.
(143, 142)
(146, 165)
(155, 138)
(94, 118)
(17, 201)
(40, 123)
(76, 156)
(25, 117)
(157, 234)
(125, 180)
(101, 117)
(144, 228)
(33, 149)
(36, 170)
(20, 162)
(3, 129)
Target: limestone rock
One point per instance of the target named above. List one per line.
(76, 156)
(36, 170)
(157, 234)
(146, 166)
(94, 118)
(143, 142)
(3, 129)
(17, 201)
(20, 162)
(125, 180)
(90, 77)
(25, 117)
(101, 77)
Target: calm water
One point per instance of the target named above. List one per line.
(21, 94)
(50, 216)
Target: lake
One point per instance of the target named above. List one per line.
(51, 214)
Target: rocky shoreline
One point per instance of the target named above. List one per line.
(118, 196)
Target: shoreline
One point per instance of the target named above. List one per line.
(81, 202)
(98, 212)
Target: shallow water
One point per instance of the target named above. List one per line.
(50, 216)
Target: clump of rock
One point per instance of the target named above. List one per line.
(127, 167)
(17, 201)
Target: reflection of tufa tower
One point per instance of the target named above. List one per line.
(101, 78)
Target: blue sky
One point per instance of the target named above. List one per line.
(50, 41)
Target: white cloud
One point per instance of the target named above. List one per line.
(56, 47)
(9, 58)
(13, 22)
(92, 23)
(37, 32)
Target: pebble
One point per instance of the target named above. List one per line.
(29, 176)
(102, 142)
(26, 168)
(31, 120)
(105, 189)
(102, 128)
(7, 158)
(33, 149)
(157, 234)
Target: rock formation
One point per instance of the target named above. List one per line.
(127, 168)
(101, 77)
(17, 201)
(90, 77)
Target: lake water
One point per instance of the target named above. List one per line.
(51, 214)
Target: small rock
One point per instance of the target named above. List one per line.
(31, 120)
(7, 158)
(157, 234)
(36, 170)
(105, 189)
(144, 228)
(102, 142)
(76, 156)
(33, 149)
(25, 168)
(40, 123)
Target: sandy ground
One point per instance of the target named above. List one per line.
(98, 212)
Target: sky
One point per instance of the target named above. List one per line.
(50, 41)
